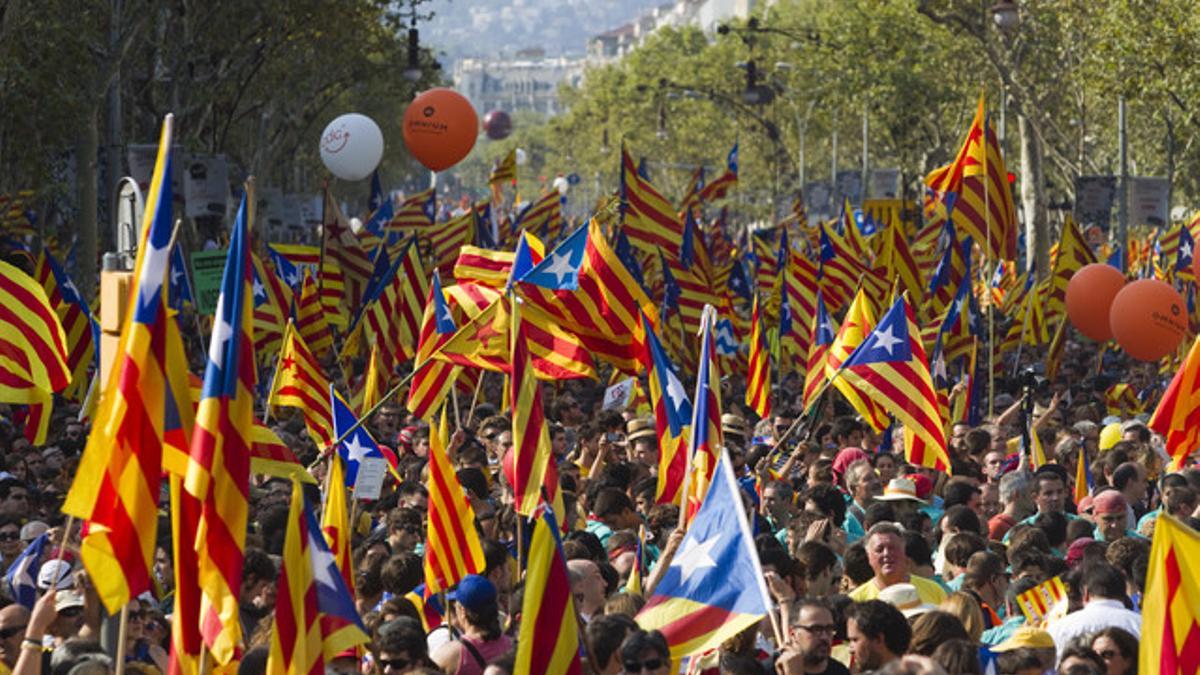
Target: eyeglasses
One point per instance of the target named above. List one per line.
(70, 611)
(635, 667)
(398, 664)
(1107, 654)
(10, 536)
(6, 633)
(817, 629)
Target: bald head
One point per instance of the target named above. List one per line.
(13, 620)
(587, 586)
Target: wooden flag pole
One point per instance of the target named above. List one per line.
(122, 638)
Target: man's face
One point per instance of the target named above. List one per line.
(163, 569)
(812, 635)
(387, 420)
(868, 485)
(10, 541)
(17, 501)
(992, 462)
(13, 620)
(396, 662)
(853, 439)
(865, 650)
(645, 450)
(588, 592)
(1050, 494)
(504, 442)
(989, 501)
(775, 503)
(885, 552)
(781, 425)
(1112, 525)
(958, 434)
(559, 442)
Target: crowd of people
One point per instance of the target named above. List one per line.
(874, 565)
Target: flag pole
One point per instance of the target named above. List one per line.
(475, 397)
(987, 254)
(122, 638)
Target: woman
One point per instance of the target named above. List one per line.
(1118, 648)
(645, 652)
(477, 617)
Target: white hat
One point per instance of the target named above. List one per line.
(32, 530)
(905, 598)
(55, 572)
(899, 489)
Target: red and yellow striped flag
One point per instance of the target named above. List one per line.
(1171, 604)
(452, 548)
(301, 383)
(531, 442)
(548, 641)
(855, 328)
(1045, 602)
(145, 407)
(758, 380)
(34, 349)
(335, 520)
(77, 323)
(218, 473)
(296, 630)
(393, 319)
(1177, 416)
(310, 318)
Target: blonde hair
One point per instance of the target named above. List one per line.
(968, 611)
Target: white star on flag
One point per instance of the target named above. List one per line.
(696, 556)
(886, 341)
(561, 267)
(354, 446)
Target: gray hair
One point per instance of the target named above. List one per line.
(1014, 485)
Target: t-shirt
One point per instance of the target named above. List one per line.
(999, 525)
(832, 667)
(928, 590)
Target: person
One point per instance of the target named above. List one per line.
(932, 628)
(1103, 606)
(1080, 659)
(809, 642)
(613, 510)
(877, 633)
(986, 581)
(863, 485)
(400, 646)
(645, 652)
(587, 587)
(1015, 504)
(1112, 518)
(477, 616)
(605, 635)
(13, 620)
(1119, 649)
(885, 552)
(1014, 618)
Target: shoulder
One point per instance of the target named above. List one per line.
(929, 589)
(447, 655)
(866, 591)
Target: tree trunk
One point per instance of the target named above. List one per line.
(87, 152)
(1033, 198)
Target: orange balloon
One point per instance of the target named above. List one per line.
(1148, 319)
(1090, 293)
(440, 128)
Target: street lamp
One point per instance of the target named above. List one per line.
(1005, 16)
(412, 71)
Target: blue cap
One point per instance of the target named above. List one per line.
(474, 592)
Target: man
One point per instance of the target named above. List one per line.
(13, 620)
(864, 486)
(989, 501)
(1130, 479)
(386, 422)
(1049, 493)
(878, 634)
(902, 494)
(847, 432)
(1015, 618)
(1103, 606)
(777, 508)
(612, 511)
(1110, 509)
(1015, 504)
(587, 587)
(809, 642)
(14, 498)
(885, 553)
(605, 635)
(643, 442)
(985, 580)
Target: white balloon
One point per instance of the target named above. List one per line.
(561, 185)
(351, 146)
(522, 158)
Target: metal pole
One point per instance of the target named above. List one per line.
(833, 156)
(1123, 193)
(800, 133)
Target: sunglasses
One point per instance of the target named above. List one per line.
(398, 664)
(10, 536)
(6, 633)
(635, 667)
(817, 629)
(70, 611)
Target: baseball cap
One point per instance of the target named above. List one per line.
(67, 599)
(474, 592)
(55, 573)
(1109, 501)
(1026, 636)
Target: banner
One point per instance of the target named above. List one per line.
(1149, 201)
(1094, 196)
(206, 186)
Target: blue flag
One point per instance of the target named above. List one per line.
(23, 572)
(560, 269)
(358, 445)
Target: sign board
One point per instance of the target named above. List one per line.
(206, 186)
(368, 483)
(884, 183)
(849, 186)
(619, 395)
(207, 269)
(1094, 196)
(818, 198)
(141, 160)
(1149, 201)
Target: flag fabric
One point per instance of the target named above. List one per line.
(857, 325)
(974, 190)
(723, 183)
(816, 373)
(356, 445)
(899, 264)
(1170, 640)
(504, 170)
(706, 438)
(891, 368)
(344, 249)
(181, 286)
(532, 455)
(481, 266)
(445, 240)
(417, 211)
(300, 382)
(758, 380)
(691, 198)
(392, 314)
(311, 321)
(1073, 253)
(145, 408)
(34, 347)
(22, 574)
(1083, 476)
(452, 548)
(335, 521)
(380, 210)
(315, 617)
(589, 291)
(272, 309)
(80, 329)
(543, 217)
(218, 472)
(714, 587)
(1045, 602)
(186, 639)
(270, 457)
(1177, 416)
(672, 418)
(648, 219)
(548, 640)
(374, 383)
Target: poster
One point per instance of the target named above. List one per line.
(1094, 197)
(1149, 201)
(207, 270)
(206, 186)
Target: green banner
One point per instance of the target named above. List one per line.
(207, 269)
